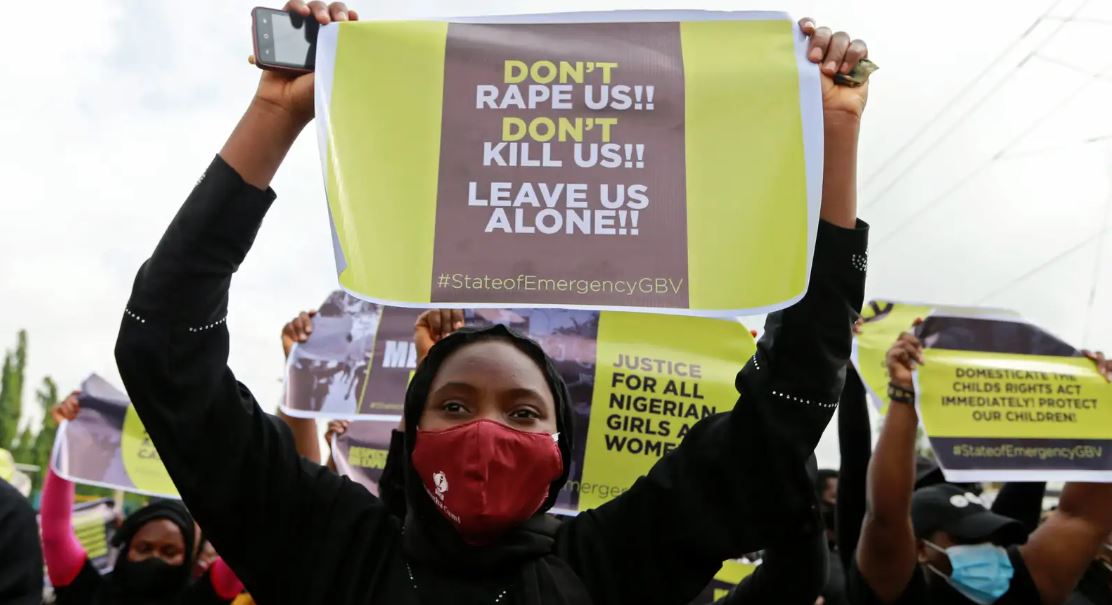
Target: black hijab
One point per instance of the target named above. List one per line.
(525, 554)
(117, 589)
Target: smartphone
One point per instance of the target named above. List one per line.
(284, 41)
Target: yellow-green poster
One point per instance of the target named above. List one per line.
(1000, 398)
(620, 160)
(107, 445)
(655, 377)
(1014, 417)
(882, 323)
(731, 574)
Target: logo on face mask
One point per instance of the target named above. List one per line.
(441, 483)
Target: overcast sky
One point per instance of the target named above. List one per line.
(986, 164)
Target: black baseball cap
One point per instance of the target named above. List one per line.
(960, 513)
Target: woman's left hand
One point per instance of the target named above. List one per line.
(335, 429)
(433, 325)
(68, 409)
(836, 52)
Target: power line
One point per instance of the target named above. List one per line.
(1051, 261)
(1070, 66)
(1053, 148)
(934, 202)
(1092, 20)
(967, 113)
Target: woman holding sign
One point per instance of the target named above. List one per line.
(488, 432)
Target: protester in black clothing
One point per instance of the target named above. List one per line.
(1022, 501)
(20, 553)
(855, 446)
(942, 546)
(296, 533)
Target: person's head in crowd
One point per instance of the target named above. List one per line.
(826, 490)
(826, 486)
(155, 551)
(953, 528)
(487, 433)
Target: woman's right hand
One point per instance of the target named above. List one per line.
(68, 409)
(903, 358)
(293, 93)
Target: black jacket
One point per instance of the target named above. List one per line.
(296, 533)
(20, 552)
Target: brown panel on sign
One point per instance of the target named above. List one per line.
(520, 217)
(393, 360)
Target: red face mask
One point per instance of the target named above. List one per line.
(486, 477)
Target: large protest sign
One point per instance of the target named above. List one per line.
(106, 445)
(999, 398)
(636, 160)
(637, 383)
(884, 320)
(1002, 400)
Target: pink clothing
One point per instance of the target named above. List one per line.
(224, 581)
(62, 551)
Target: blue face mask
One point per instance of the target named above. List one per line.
(981, 572)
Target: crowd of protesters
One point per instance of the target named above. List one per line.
(485, 442)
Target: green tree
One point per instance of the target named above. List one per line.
(40, 449)
(22, 447)
(11, 390)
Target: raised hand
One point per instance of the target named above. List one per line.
(1104, 365)
(836, 53)
(293, 93)
(903, 358)
(296, 330)
(335, 428)
(433, 325)
(68, 409)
